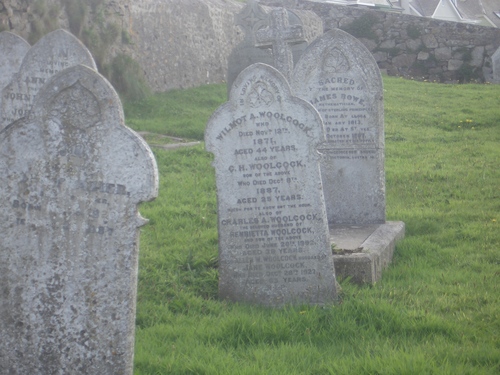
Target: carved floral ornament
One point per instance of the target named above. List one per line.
(75, 106)
(334, 61)
(260, 95)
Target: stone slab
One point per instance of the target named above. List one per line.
(362, 253)
(71, 178)
(274, 244)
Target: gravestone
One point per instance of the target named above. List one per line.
(340, 77)
(495, 59)
(13, 48)
(273, 235)
(255, 17)
(279, 35)
(72, 176)
(54, 52)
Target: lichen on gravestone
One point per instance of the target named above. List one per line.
(340, 77)
(71, 178)
(54, 52)
(274, 244)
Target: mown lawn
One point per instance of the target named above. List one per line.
(436, 309)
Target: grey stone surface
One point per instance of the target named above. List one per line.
(477, 56)
(273, 235)
(340, 77)
(495, 59)
(430, 41)
(72, 176)
(443, 53)
(12, 51)
(56, 51)
(255, 17)
(362, 253)
(13, 48)
(411, 35)
(279, 36)
(454, 64)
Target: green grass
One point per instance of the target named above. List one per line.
(178, 113)
(436, 309)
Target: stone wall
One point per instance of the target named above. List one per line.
(416, 47)
(186, 43)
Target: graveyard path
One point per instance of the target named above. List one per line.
(166, 142)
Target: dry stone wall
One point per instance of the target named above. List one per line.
(186, 43)
(415, 47)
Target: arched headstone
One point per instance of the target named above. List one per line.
(53, 53)
(273, 235)
(71, 177)
(340, 77)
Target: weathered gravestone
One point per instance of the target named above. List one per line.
(273, 236)
(72, 176)
(13, 48)
(303, 27)
(56, 51)
(340, 77)
(496, 66)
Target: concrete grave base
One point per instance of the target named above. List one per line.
(362, 252)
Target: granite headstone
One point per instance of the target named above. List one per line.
(340, 77)
(273, 235)
(72, 175)
(54, 52)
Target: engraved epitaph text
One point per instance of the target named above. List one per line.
(273, 235)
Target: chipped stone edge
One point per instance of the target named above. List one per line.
(378, 249)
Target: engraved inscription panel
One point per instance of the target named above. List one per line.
(273, 235)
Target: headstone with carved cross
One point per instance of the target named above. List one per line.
(280, 35)
(255, 17)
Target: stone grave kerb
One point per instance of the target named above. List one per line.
(280, 35)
